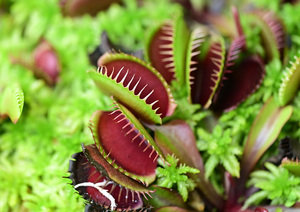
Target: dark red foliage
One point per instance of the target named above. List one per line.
(161, 52)
(204, 75)
(125, 198)
(125, 145)
(142, 80)
(244, 79)
(82, 171)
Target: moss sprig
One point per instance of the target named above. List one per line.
(171, 174)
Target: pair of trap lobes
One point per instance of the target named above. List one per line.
(143, 91)
(122, 142)
(199, 62)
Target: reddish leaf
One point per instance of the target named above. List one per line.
(243, 80)
(79, 7)
(167, 46)
(197, 38)
(273, 35)
(277, 28)
(90, 168)
(207, 72)
(160, 52)
(119, 140)
(139, 78)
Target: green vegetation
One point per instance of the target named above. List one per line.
(42, 124)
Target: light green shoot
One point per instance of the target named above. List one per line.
(171, 174)
(220, 149)
(277, 184)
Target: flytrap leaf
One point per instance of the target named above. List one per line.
(206, 68)
(241, 76)
(197, 38)
(289, 148)
(136, 85)
(103, 185)
(272, 33)
(239, 81)
(290, 82)
(263, 133)
(11, 102)
(126, 144)
(293, 166)
(166, 48)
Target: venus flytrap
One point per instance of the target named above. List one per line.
(124, 153)
(293, 166)
(127, 144)
(271, 117)
(49, 123)
(290, 82)
(240, 119)
(138, 88)
(105, 193)
(11, 102)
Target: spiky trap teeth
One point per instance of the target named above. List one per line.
(102, 185)
(272, 34)
(98, 189)
(161, 52)
(127, 145)
(244, 80)
(135, 84)
(166, 48)
(290, 82)
(207, 70)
